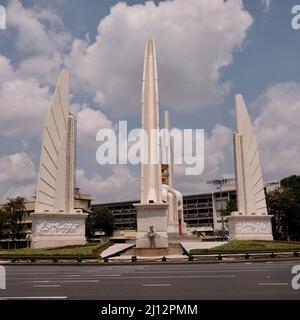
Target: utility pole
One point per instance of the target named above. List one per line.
(219, 183)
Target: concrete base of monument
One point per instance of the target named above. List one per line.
(152, 226)
(151, 252)
(250, 227)
(174, 230)
(160, 240)
(50, 230)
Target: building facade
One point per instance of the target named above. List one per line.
(202, 211)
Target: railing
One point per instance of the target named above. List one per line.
(13, 244)
(255, 256)
(248, 255)
(49, 258)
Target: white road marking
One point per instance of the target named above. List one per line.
(273, 284)
(107, 275)
(63, 281)
(180, 277)
(47, 285)
(61, 277)
(133, 277)
(156, 285)
(203, 271)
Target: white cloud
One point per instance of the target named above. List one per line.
(32, 35)
(16, 168)
(89, 121)
(195, 40)
(7, 72)
(120, 185)
(40, 38)
(278, 127)
(26, 191)
(218, 146)
(25, 95)
(23, 106)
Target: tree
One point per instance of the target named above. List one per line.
(292, 185)
(2, 222)
(12, 215)
(284, 205)
(230, 207)
(100, 219)
(280, 203)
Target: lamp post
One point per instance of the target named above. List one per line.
(219, 183)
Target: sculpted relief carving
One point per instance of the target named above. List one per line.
(57, 228)
(253, 227)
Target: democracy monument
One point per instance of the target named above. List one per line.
(56, 223)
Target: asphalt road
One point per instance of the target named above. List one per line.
(271, 280)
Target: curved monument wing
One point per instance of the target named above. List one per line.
(55, 182)
(249, 179)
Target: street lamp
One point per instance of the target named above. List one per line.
(219, 183)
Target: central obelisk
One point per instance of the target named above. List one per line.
(152, 219)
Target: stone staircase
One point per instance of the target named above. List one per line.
(175, 248)
(129, 252)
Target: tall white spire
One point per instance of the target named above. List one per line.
(151, 172)
(152, 219)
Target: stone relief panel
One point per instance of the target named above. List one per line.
(254, 227)
(46, 228)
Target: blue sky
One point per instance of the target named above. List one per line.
(207, 52)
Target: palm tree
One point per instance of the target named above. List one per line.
(13, 213)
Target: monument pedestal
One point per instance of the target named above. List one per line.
(250, 227)
(151, 252)
(50, 230)
(173, 229)
(154, 215)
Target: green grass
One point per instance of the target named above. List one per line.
(86, 250)
(248, 246)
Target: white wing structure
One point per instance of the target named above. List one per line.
(55, 223)
(249, 180)
(251, 221)
(56, 175)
